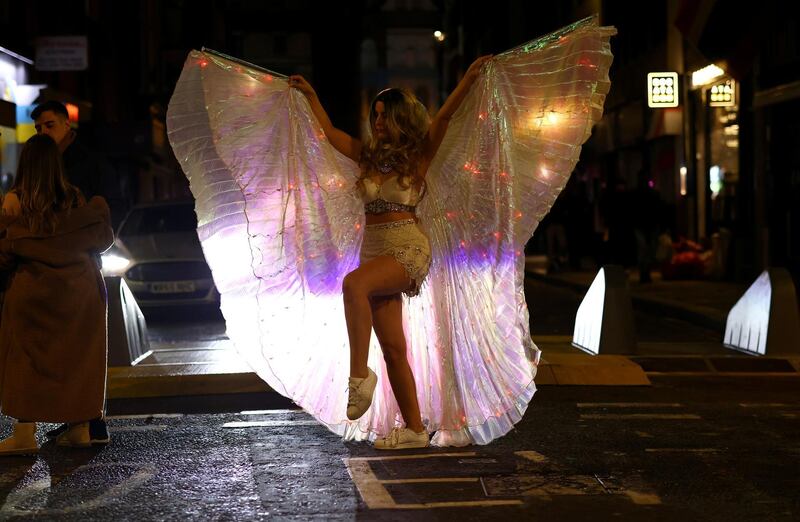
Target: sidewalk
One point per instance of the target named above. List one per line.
(705, 303)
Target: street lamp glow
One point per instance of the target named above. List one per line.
(715, 178)
(706, 75)
(439, 36)
(683, 181)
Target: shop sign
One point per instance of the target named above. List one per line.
(722, 94)
(662, 89)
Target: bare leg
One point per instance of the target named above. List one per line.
(387, 317)
(380, 276)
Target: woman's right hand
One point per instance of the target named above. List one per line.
(477, 66)
(298, 82)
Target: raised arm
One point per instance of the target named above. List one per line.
(340, 140)
(442, 119)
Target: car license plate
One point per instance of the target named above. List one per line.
(173, 287)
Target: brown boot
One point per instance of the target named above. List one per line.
(77, 436)
(22, 441)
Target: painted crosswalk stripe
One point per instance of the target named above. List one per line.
(681, 450)
(766, 405)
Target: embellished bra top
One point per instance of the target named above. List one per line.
(389, 196)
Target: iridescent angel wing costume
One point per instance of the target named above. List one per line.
(280, 222)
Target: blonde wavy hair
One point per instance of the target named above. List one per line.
(407, 122)
(41, 186)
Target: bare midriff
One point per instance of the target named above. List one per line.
(388, 217)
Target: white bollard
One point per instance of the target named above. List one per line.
(604, 322)
(765, 320)
(127, 329)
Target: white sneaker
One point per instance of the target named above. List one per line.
(77, 436)
(359, 396)
(403, 438)
(22, 441)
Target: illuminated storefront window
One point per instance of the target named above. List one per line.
(716, 126)
(14, 128)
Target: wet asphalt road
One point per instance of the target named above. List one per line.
(683, 449)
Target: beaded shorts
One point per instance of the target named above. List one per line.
(404, 241)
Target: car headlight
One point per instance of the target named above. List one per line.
(114, 264)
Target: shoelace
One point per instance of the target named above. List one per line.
(352, 394)
(394, 436)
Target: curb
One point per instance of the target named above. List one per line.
(556, 369)
(130, 383)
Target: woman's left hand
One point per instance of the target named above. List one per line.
(475, 69)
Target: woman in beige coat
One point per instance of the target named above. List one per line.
(53, 324)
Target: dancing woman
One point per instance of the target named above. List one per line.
(281, 197)
(395, 253)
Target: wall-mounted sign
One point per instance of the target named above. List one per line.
(662, 89)
(722, 94)
(62, 53)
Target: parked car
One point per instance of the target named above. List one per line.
(158, 254)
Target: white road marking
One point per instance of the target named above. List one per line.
(654, 416)
(376, 496)
(271, 424)
(369, 487)
(148, 427)
(461, 503)
(430, 480)
(643, 499)
(146, 416)
(531, 455)
(630, 405)
(766, 405)
(681, 450)
(269, 412)
(422, 456)
(374, 493)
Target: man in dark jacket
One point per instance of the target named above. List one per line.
(83, 170)
(81, 166)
